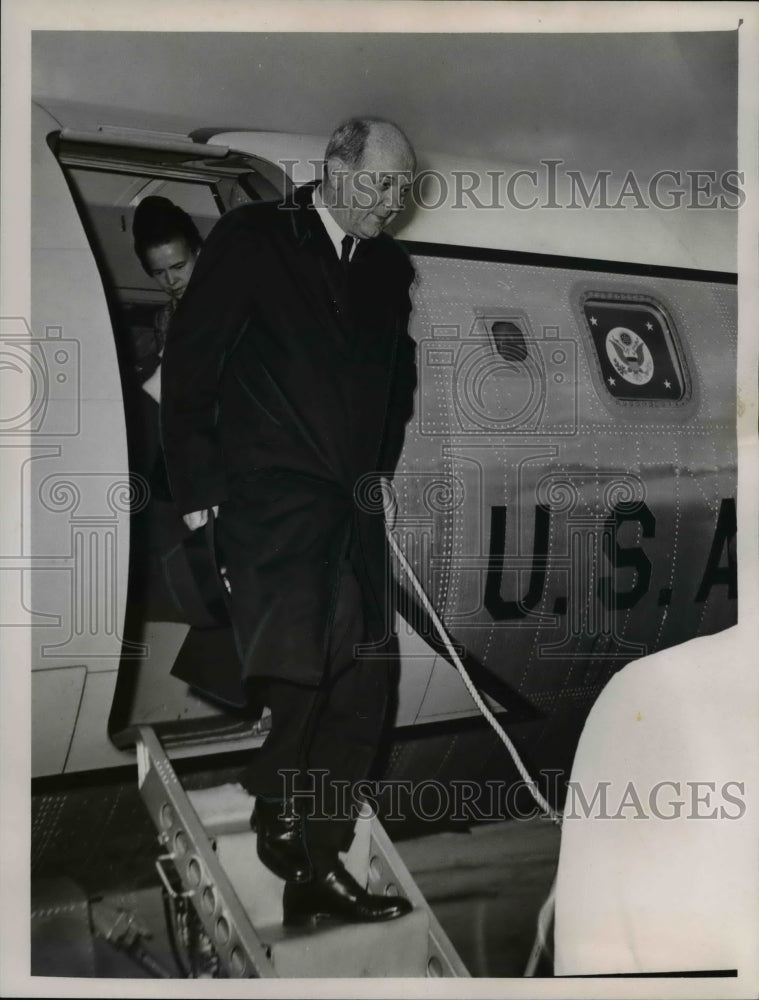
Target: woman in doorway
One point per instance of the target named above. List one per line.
(167, 243)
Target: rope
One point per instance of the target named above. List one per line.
(476, 697)
(540, 945)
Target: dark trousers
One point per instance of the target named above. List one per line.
(334, 727)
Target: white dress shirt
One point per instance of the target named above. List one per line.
(335, 233)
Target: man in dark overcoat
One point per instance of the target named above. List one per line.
(288, 379)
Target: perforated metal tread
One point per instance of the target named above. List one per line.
(209, 842)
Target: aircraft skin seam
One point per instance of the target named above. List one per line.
(478, 256)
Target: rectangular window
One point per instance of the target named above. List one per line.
(635, 347)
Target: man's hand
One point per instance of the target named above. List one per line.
(198, 518)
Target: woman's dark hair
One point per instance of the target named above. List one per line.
(157, 221)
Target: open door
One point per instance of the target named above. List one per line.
(108, 174)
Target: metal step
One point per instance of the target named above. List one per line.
(207, 839)
(394, 948)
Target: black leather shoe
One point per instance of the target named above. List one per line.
(280, 842)
(338, 895)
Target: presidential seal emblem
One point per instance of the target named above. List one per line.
(629, 355)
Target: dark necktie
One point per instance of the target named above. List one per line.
(345, 256)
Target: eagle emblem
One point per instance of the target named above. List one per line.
(629, 355)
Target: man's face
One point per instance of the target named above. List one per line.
(369, 195)
(171, 264)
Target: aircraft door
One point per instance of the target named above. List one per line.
(107, 621)
(76, 483)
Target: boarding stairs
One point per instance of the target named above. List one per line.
(209, 849)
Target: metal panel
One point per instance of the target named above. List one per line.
(56, 695)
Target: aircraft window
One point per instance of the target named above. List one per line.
(636, 348)
(509, 341)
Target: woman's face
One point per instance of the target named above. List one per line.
(171, 264)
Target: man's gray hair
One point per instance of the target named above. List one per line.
(348, 141)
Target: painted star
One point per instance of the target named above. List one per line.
(593, 321)
(649, 326)
(611, 381)
(667, 384)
